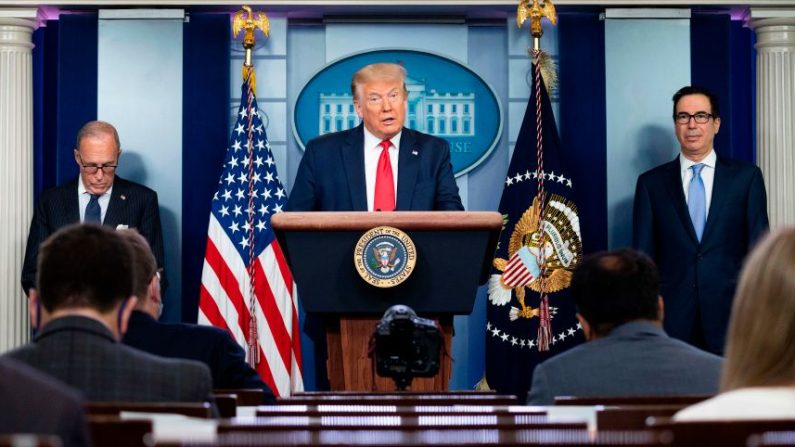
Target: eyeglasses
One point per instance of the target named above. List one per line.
(376, 100)
(92, 169)
(700, 117)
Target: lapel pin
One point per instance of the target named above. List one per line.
(414, 152)
(123, 197)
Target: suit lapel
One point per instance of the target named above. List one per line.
(71, 204)
(117, 204)
(677, 195)
(719, 194)
(408, 167)
(353, 161)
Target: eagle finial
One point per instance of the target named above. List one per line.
(248, 21)
(535, 10)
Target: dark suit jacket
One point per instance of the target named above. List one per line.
(212, 346)
(82, 353)
(331, 174)
(38, 404)
(130, 204)
(635, 359)
(699, 278)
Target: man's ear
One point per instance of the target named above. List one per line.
(34, 309)
(660, 308)
(125, 311)
(154, 290)
(586, 328)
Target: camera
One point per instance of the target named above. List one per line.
(406, 346)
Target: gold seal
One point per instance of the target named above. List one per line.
(385, 256)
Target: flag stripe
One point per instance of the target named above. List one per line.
(271, 309)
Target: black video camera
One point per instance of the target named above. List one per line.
(406, 346)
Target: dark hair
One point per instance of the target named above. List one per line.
(84, 265)
(613, 288)
(143, 261)
(694, 90)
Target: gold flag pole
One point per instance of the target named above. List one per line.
(536, 11)
(248, 21)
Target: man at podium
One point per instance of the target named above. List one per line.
(379, 165)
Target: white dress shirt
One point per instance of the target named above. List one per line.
(707, 175)
(372, 152)
(84, 196)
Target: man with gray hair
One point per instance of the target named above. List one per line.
(379, 165)
(97, 196)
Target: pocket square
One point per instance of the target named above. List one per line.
(122, 227)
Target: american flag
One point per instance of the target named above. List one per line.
(243, 256)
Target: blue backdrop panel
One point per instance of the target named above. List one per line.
(582, 119)
(77, 88)
(205, 116)
(722, 60)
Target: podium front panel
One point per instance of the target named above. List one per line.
(445, 277)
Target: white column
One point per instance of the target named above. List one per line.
(16, 168)
(775, 104)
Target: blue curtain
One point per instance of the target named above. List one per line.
(722, 60)
(583, 119)
(205, 135)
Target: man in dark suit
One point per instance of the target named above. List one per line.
(97, 196)
(209, 345)
(697, 217)
(379, 165)
(82, 305)
(35, 403)
(627, 353)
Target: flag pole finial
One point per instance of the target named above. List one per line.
(248, 21)
(535, 10)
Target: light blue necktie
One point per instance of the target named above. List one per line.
(93, 212)
(697, 200)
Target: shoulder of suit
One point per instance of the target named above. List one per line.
(661, 169)
(154, 361)
(128, 186)
(57, 192)
(331, 139)
(736, 164)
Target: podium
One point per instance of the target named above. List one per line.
(454, 251)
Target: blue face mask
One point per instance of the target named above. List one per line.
(118, 317)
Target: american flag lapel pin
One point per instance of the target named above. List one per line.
(123, 197)
(414, 152)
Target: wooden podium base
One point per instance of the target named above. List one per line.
(351, 369)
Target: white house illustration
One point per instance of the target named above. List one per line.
(440, 114)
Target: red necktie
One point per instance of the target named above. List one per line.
(384, 183)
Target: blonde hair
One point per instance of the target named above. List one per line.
(759, 349)
(381, 71)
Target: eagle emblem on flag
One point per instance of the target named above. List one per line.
(556, 235)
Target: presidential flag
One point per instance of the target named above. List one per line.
(530, 316)
(247, 287)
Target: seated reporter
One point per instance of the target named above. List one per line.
(627, 353)
(758, 380)
(37, 404)
(81, 306)
(212, 346)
